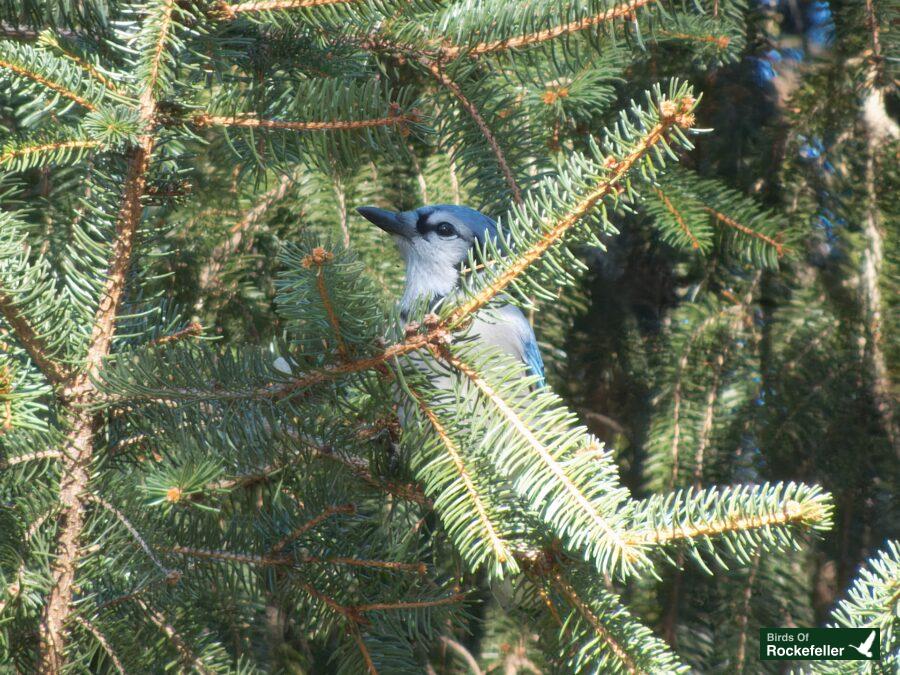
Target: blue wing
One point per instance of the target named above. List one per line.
(534, 361)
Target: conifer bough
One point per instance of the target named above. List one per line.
(172, 501)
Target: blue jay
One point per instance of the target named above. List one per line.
(434, 241)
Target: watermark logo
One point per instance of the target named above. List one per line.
(819, 644)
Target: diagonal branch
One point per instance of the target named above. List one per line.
(310, 524)
(211, 270)
(499, 546)
(132, 530)
(679, 218)
(555, 233)
(31, 341)
(160, 621)
(626, 548)
(102, 641)
(568, 592)
(353, 629)
(438, 73)
(49, 84)
(732, 223)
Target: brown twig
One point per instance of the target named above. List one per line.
(159, 620)
(437, 71)
(102, 641)
(410, 604)
(193, 329)
(209, 273)
(311, 523)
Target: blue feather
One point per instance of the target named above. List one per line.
(534, 361)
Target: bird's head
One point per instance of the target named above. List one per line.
(433, 241)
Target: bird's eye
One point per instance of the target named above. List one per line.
(445, 230)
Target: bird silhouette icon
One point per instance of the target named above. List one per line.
(865, 647)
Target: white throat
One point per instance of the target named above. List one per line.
(427, 280)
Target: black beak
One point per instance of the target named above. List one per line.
(390, 222)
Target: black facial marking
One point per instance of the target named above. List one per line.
(422, 222)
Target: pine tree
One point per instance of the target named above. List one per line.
(179, 178)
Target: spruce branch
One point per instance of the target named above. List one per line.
(171, 579)
(624, 10)
(678, 217)
(411, 604)
(20, 157)
(743, 617)
(132, 530)
(559, 582)
(551, 472)
(353, 629)
(52, 42)
(712, 396)
(468, 534)
(873, 255)
(33, 343)
(47, 83)
(748, 517)
(80, 442)
(674, 114)
(397, 119)
(313, 522)
(872, 601)
(36, 456)
(232, 10)
(210, 272)
(230, 556)
(437, 71)
(732, 223)
(15, 587)
(319, 262)
(102, 641)
(192, 330)
(188, 657)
